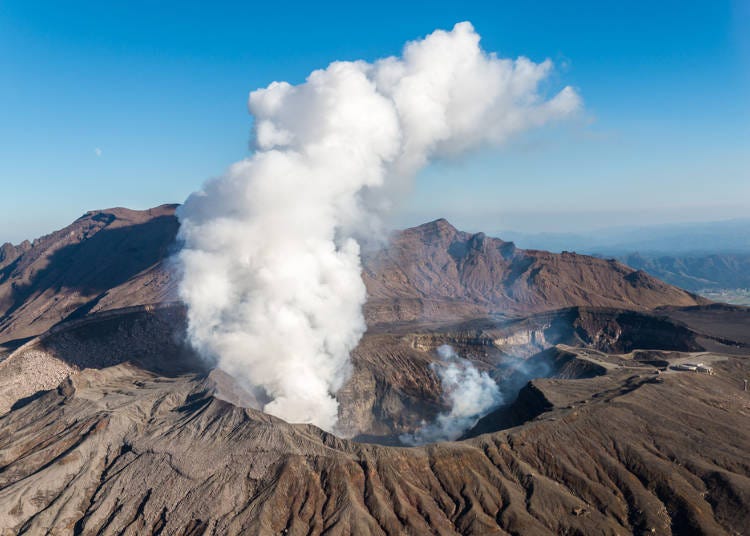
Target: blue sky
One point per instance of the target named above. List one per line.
(161, 88)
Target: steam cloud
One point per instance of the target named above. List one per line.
(271, 264)
(471, 394)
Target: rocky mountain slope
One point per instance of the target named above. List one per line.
(122, 449)
(110, 424)
(116, 258)
(393, 389)
(435, 271)
(105, 259)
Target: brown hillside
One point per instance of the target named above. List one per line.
(115, 258)
(435, 271)
(105, 259)
(110, 424)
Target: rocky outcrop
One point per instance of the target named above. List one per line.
(148, 336)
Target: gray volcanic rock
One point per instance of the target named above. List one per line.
(393, 388)
(134, 335)
(121, 450)
(110, 424)
(9, 252)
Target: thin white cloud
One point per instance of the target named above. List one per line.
(97, 152)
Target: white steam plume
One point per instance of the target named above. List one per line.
(271, 265)
(471, 395)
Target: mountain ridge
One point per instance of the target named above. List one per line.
(488, 275)
(111, 424)
(113, 258)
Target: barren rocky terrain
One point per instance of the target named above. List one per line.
(140, 447)
(115, 258)
(104, 260)
(110, 424)
(435, 272)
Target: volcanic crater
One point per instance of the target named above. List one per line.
(112, 424)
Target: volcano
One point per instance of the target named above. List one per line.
(111, 424)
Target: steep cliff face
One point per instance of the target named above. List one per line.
(9, 252)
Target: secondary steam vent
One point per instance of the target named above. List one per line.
(271, 264)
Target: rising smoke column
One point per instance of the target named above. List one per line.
(271, 266)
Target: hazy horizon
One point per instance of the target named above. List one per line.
(604, 236)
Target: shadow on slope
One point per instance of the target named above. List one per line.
(107, 254)
(151, 337)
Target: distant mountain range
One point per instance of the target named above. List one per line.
(695, 272)
(700, 238)
(694, 256)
